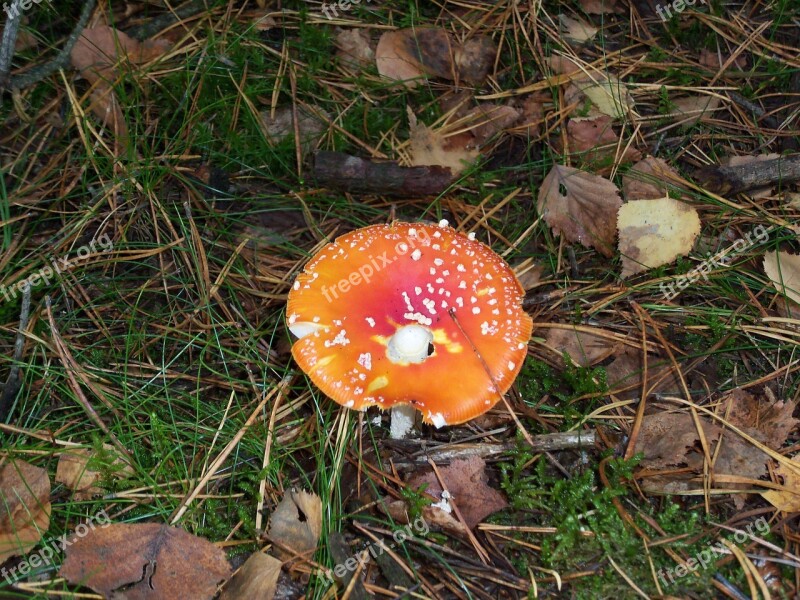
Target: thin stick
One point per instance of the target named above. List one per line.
(12, 384)
(514, 416)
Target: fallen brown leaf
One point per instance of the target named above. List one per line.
(626, 370)
(608, 95)
(81, 468)
(406, 55)
(600, 7)
(467, 484)
(655, 232)
(692, 109)
(585, 349)
(596, 143)
(98, 55)
(296, 524)
(671, 440)
(487, 120)
(783, 269)
(145, 561)
(311, 125)
(786, 499)
(257, 578)
(649, 179)
(354, 48)
(581, 206)
(562, 65)
(433, 147)
(24, 507)
(576, 31)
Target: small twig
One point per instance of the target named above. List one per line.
(12, 384)
(568, 440)
(61, 60)
(757, 111)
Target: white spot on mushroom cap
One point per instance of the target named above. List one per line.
(443, 223)
(416, 254)
(370, 321)
(365, 360)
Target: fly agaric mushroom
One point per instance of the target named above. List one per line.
(413, 315)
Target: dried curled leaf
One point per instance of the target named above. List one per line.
(608, 94)
(655, 232)
(353, 48)
(597, 145)
(581, 206)
(433, 147)
(257, 578)
(24, 507)
(692, 109)
(296, 523)
(98, 55)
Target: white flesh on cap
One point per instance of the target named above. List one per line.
(301, 329)
(409, 344)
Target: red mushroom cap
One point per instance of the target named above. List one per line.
(410, 313)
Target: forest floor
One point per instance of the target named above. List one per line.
(162, 190)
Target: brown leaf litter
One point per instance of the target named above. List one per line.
(466, 486)
(672, 452)
(581, 206)
(24, 507)
(150, 561)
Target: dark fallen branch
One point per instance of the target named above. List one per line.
(346, 173)
(732, 180)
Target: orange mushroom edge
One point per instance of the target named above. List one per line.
(410, 313)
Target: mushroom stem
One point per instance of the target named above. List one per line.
(401, 421)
